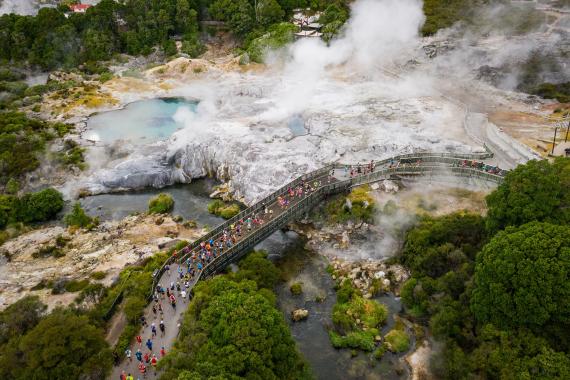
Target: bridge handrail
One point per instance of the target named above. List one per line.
(444, 158)
(254, 208)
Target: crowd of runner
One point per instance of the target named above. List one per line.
(146, 355)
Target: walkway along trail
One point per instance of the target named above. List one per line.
(205, 257)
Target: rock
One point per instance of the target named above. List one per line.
(386, 282)
(378, 338)
(299, 314)
(379, 275)
(158, 221)
(367, 295)
(375, 186)
(345, 240)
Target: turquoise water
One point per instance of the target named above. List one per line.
(144, 121)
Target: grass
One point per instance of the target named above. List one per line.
(223, 209)
(48, 251)
(98, 275)
(73, 286)
(397, 340)
(161, 204)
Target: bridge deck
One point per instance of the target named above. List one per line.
(322, 185)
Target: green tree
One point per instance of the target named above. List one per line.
(522, 278)
(41, 206)
(257, 268)
(18, 318)
(537, 190)
(61, 346)
(269, 12)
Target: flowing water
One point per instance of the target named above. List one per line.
(311, 335)
(141, 122)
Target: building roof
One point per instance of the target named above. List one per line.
(79, 7)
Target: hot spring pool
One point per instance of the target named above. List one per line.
(144, 121)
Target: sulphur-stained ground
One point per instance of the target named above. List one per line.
(108, 249)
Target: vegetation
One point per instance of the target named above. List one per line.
(78, 218)
(36, 207)
(161, 204)
(521, 278)
(356, 319)
(538, 190)
(296, 288)
(496, 296)
(223, 209)
(276, 36)
(233, 330)
(560, 91)
(37, 346)
(358, 206)
(397, 340)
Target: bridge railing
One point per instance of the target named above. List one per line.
(444, 158)
(248, 211)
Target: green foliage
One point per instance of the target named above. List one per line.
(231, 330)
(361, 340)
(256, 267)
(442, 14)
(537, 190)
(438, 245)
(20, 317)
(40, 206)
(73, 286)
(98, 275)
(560, 91)
(222, 209)
(161, 204)
(269, 12)
(78, 218)
(239, 14)
(277, 36)
(72, 154)
(48, 251)
(61, 346)
(356, 319)
(332, 19)
(296, 288)
(358, 206)
(397, 340)
(12, 187)
(521, 277)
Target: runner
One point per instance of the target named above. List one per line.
(128, 354)
(139, 340)
(162, 328)
(149, 344)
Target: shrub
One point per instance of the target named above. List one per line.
(161, 204)
(98, 275)
(40, 206)
(296, 288)
(48, 251)
(73, 286)
(222, 209)
(78, 218)
(397, 341)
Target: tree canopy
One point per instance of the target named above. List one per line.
(232, 330)
(522, 277)
(538, 190)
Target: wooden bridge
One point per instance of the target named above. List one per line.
(408, 165)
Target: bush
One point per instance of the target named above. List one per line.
(98, 275)
(78, 218)
(296, 288)
(222, 209)
(40, 206)
(397, 341)
(73, 286)
(362, 340)
(161, 204)
(277, 36)
(48, 251)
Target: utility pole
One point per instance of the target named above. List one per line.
(554, 140)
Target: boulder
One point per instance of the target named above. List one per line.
(299, 314)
